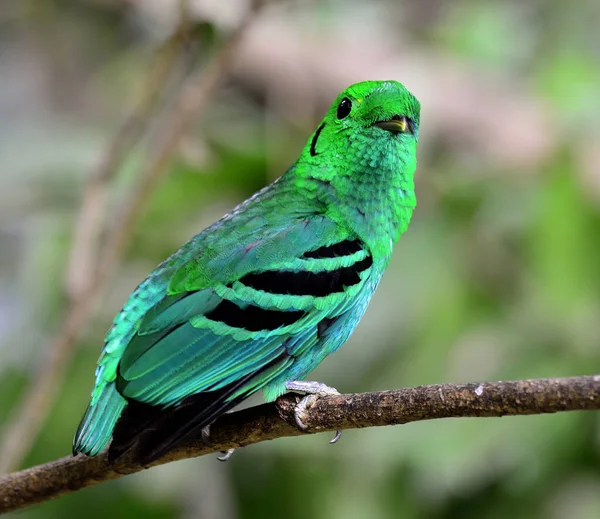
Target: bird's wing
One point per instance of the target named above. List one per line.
(233, 320)
(232, 314)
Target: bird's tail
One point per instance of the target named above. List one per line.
(98, 422)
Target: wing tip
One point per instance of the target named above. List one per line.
(96, 426)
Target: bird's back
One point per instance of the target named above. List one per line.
(259, 298)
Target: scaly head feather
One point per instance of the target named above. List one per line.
(361, 161)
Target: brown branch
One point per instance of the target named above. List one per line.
(270, 421)
(28, 418)
(91, 220)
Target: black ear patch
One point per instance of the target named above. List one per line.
(313, 144)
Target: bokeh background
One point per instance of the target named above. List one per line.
(497, 278)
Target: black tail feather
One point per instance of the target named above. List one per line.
(135, 420)
(151, 431)
(180, 426)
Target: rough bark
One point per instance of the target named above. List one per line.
(270, 421)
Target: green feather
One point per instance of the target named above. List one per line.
(266, 293)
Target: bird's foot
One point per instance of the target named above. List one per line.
(313, 391)
(226, 455)
(205, 435)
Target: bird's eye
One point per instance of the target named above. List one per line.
(344, 108)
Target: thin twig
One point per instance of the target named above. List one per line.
(91, 220)
(270, 421)
(22, 430)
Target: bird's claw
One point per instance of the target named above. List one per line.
(226, 455)
(335, 439)
(313, 391)
(205, 435)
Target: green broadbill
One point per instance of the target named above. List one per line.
(258, 299)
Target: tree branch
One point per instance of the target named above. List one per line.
(270, 421)
(82, 284)
(23, 427)
(89, 225)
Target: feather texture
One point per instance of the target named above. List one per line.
(264, 294)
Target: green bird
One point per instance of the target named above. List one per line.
(258, 299)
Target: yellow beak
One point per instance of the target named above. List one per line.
(393, 125)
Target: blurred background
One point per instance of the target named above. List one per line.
(497, 278)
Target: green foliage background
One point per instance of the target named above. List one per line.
(497, 278)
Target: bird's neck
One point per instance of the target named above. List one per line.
(376, 203)
(380, 211)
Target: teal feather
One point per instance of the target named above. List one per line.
(266, 293)
(177, 309)
(97, 425)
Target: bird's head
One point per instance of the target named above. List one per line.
(372, 106)
(373, 124)
(361, 160)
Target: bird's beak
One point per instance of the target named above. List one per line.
(399, 125)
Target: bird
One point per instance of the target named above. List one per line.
(258, 299)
